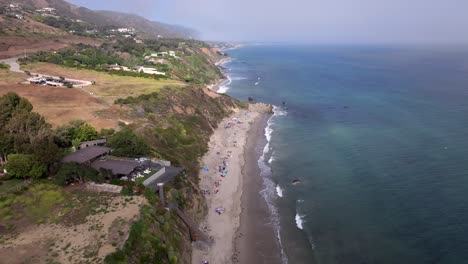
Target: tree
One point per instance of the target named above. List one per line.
(44, 148)
(10, 103)
(127, 144)
(25, 166)
(106, 132)
(74, 172)
(84, 133)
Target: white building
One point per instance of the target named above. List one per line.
(46, 9)
(125, 30)
(172, 53)
(148, 70)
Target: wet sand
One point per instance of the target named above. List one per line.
(255, 239)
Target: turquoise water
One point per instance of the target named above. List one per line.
(378, 137)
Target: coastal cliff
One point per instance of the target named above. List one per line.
(174, 113)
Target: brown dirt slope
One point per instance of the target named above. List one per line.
(60, 105)
(101, 233)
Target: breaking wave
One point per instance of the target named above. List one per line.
(271, 190)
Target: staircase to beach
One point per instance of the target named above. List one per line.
(195, 233)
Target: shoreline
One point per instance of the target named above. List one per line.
(228, 143)
(223, 81)
(255, 240)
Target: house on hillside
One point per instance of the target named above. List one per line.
(87, 155)
(118, 167)
(97, 157)
(126, 30)
(117, 67)
(46, 10)
(97, 142)
(172, 53)
(148, 70)
(156, 60)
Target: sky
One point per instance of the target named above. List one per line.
(308, 21)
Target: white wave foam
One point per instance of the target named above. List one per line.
(270, 189)
(271, 159)
(225, 87)
(221, 63)
(238, 78)
(279, 191)
(299, 221)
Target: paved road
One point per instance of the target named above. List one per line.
(14, 65)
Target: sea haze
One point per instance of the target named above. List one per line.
(378, 137)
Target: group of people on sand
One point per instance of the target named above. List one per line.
(233, 121)
(221, 170)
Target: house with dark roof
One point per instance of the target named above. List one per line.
(97, 158)
(119, 167)
(97, 142)
(87, 155)
(163, 176)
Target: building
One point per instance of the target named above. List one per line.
(117, 67)
(156, 60)
(87, 155)
(118, 167)
(125, 30)
(96, 156)
(46, 9)
(172, 53)
(98, 142)
(114, 67)
(148, 70)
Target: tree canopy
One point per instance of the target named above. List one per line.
(26, 137)
(25, 166)
(74, 172)
(127, 144)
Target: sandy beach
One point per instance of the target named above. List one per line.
(222, 182)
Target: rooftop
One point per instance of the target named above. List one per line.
(86, 154)
(117, 166)
(167, 176)
(93, 142)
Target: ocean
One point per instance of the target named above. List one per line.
(377, 138)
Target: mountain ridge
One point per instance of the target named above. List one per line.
(106, 19)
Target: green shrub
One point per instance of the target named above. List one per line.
(25, 166)
(127, 144)
(150, 196)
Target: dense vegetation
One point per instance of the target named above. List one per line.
(179, 135)
(81, 55)
(65, 24)
(26, 138)
(192, 65)
(4, 66)
(125, 143)
(153, 239)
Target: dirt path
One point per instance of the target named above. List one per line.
(14, 65)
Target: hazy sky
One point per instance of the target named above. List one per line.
(314, 21)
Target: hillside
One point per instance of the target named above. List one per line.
(101, 19)
(28, 26)
(117, 80)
